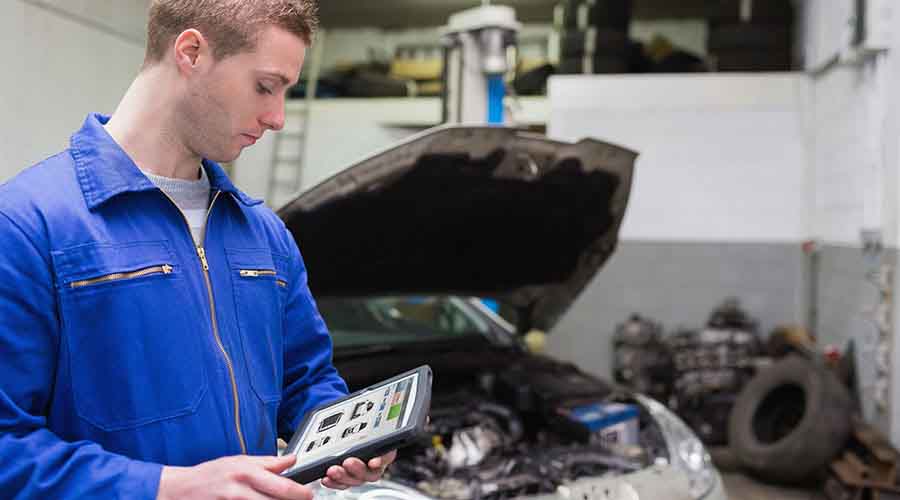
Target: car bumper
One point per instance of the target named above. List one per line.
(648, 484)
(653, 483)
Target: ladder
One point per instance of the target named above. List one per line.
(289, 144)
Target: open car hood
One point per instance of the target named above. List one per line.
(469, 210)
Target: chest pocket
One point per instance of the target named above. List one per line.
(260, 292)
(133, 355)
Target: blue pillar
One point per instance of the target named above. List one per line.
(496, 92)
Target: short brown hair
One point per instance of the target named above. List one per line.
(230, 26)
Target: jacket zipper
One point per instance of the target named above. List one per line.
(256, 273)
(163, 269)
(201, 253)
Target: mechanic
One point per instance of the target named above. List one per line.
(157, 328)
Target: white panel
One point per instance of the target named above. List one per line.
(343, 131)
(127, 18)
(827, 29)
(57, 71)
(722, 158)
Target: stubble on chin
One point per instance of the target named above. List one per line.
(205, 125)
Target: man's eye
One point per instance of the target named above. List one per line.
(262, 89)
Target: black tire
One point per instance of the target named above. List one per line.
(576, 43)
(569, 19)
(571, 66)
(679, 61)
(749, 36)
(572, 44)
(790, 421)
(599, 65)
(533, 82)
(752, 60)
(610, 14)
(603, 64)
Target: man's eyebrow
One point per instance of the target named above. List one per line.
(283, 78)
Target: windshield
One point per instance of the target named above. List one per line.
(389, 320)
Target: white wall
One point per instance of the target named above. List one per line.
(855, 112)
(58, 69)
(722, 157)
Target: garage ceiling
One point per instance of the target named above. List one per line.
(395, 14)
(127, 18)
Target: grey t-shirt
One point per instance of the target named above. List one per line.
(192, 197)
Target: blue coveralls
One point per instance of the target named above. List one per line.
(126, 346)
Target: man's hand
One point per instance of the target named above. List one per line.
(354, 472)
(242, 476)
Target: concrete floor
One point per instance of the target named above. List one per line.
(740, 487)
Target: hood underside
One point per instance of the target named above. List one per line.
(485, 211)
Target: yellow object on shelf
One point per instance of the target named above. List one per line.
(417, 69)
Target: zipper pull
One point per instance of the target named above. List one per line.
(202, 253)
(167, 269)
(246, 273)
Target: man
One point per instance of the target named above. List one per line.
(153, 318)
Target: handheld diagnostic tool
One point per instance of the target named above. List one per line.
(365, 424)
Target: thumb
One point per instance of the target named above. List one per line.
(278, 464)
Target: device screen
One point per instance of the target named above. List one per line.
(369, 415)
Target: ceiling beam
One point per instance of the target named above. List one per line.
(400, 14)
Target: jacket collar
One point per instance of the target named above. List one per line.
(104, 170)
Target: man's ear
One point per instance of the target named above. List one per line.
(191, 51)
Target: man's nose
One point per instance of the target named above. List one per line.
(274, 119)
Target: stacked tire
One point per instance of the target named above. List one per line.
(790, 421)
(593, 36)
(751, 35)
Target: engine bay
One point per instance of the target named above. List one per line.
(499, 434)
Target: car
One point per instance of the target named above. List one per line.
(409, 250)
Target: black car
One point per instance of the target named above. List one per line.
(401, 249)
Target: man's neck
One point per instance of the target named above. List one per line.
(144, 127)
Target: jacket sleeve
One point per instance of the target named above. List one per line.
(310, 379)
(36, 462)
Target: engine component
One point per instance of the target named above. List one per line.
(540, 389)
(482, 450)
(609, 423)
(471, 445)
(641, 360)
(711, 366)
(790, 421)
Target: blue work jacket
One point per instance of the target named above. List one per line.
(125, 346)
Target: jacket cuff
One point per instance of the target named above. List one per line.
(143, 480)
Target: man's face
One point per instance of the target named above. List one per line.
(230, 105)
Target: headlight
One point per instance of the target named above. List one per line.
(380, 490)
(686, 451)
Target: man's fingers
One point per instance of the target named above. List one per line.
(278, 464)
(356, 468)
(341, 475)
(328, 483)
(353, 472)
(275, 486)
(380, 463)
